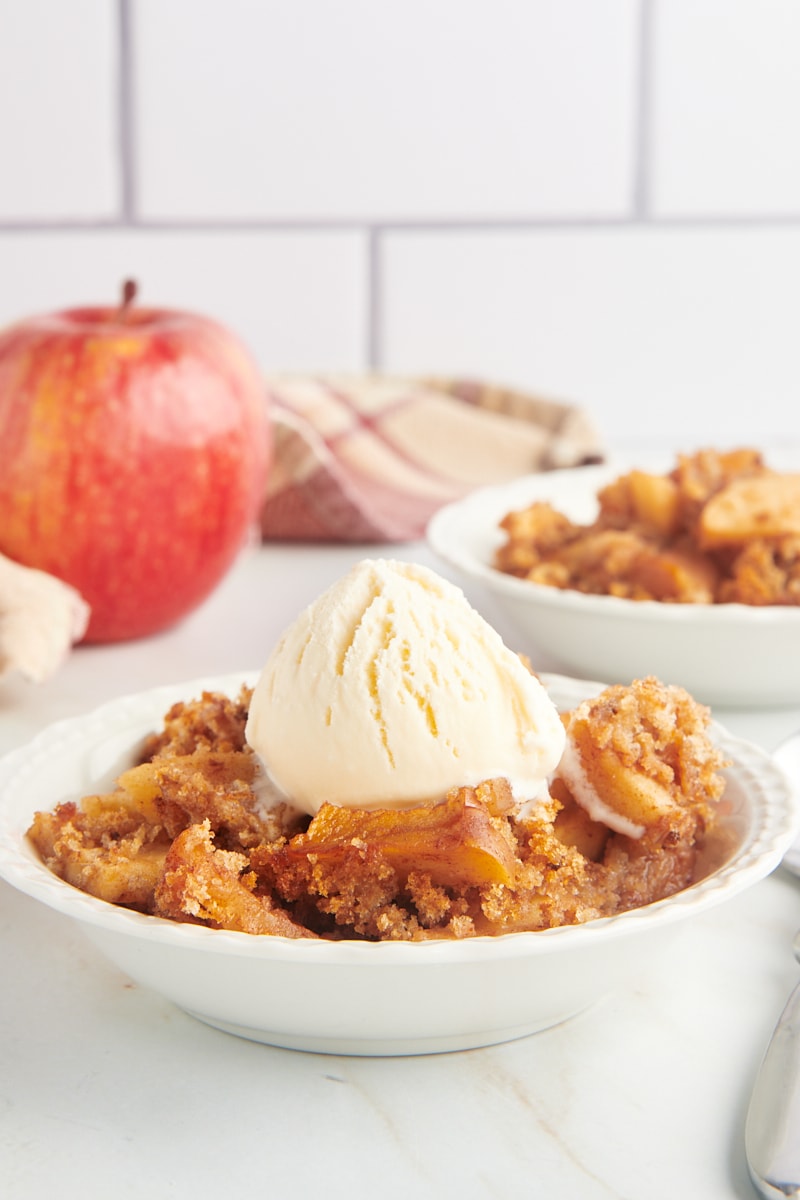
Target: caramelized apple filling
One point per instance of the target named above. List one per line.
(185, 834)
(719, 528)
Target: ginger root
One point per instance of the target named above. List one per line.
(40, 619)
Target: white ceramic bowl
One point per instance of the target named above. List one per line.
(362, 998)
(724, 654)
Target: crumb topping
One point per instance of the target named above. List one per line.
(185, 835)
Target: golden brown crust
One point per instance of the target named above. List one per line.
(216, 887)
(182, 835)
(721, 527)
(212, 721)
(113, 856)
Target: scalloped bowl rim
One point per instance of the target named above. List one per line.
(772, 825)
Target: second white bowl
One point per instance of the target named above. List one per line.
(724, 654)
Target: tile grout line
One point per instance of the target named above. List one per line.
(125, 115)
(454, 225)
(374, 300)
(643, 113)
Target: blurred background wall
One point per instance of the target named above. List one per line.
(596, 199)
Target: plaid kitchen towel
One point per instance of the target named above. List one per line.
(371, 458)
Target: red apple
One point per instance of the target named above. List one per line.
(134, 445)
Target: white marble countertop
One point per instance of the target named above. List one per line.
(106, 1089)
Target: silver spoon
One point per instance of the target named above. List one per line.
(773, 1129)
(772, 1132)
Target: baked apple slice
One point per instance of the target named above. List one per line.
(457, 843)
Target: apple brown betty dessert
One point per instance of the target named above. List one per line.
(185, 834)
(719, 528)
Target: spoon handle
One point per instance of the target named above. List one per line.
(772, 1133)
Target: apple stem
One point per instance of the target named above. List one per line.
(129, 290)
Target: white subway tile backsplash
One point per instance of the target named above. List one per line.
(596, 198)
(689, 335)
(356, 110)
(298, 300)
(58, 110)
(725, 107)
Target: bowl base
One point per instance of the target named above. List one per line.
(385, 1047)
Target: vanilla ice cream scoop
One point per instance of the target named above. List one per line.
(389, 690)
